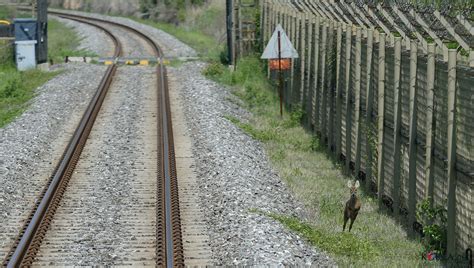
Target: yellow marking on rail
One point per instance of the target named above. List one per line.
(5, 22)
(144, 62)
(166, 62)
(108, 62)
(129, 62)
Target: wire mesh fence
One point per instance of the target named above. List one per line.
(388, 104)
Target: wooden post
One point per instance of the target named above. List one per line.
(338, 91)
(323, 111)
(451, 247)
(358, 52)
(430, 78)
(348, 97)
(380, 112)
(369, 107)
(310, 54)
(412, 136)
(397, 113)
(316, 72)
(293, 40)
(302, 55)
(330, 88)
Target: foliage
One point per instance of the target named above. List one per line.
(433, 218)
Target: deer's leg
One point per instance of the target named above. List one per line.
(353, 218)
(346, 217)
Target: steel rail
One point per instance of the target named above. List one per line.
(169, 249)
(29, 240)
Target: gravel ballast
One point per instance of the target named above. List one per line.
(31, 145)
(236, 179)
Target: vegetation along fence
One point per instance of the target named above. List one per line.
(390, 97)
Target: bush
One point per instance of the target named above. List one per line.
(433, 218)
(214, 69)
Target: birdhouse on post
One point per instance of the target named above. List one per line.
(279, 52)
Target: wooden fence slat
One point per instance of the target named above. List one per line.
(316, 77)
(322, 105)
(380, 113)
(348, 96)
(412, 136)
(397, 113)
(430, 78)
(338, 91)
(302, 18)
(369, 108)
(308, 62)
(330, 88)
(358, 52)
(451, 247)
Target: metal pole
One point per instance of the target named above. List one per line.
(42, 45)
(230, 46)
(280, 75)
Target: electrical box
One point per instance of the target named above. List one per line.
(25, 29)
(25, 55)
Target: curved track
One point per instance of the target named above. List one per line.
(169, 248)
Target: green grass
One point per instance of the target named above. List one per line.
(315, 179)
(63, 41)
(16, 89)
(204, 44)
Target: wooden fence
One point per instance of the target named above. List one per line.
(399, 116)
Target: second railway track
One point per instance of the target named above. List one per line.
(167, 242)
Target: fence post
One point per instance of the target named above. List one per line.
(430, 77)
(348, 97)
(338, 91)
(293, 40)
(316, 72)
(412, 136)
(451, 247)
(310, 53)
(323, 112)
(369, 107)
(358, 56)
(397, 114)
(302, 18)
(330, 87)
(380, 112)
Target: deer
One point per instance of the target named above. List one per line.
(352, 205)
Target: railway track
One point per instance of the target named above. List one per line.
(168, 246)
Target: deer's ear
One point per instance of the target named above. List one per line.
(357, 184)
(349, 184)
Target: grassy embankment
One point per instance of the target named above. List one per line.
(203, 29)
(18, 88)
(376, 239)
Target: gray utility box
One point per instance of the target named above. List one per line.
(25, 43)
(25, 55)
(25, 29)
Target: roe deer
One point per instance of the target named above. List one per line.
(352, 205)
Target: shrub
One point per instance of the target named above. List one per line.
(214, 69)
(433, 218)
